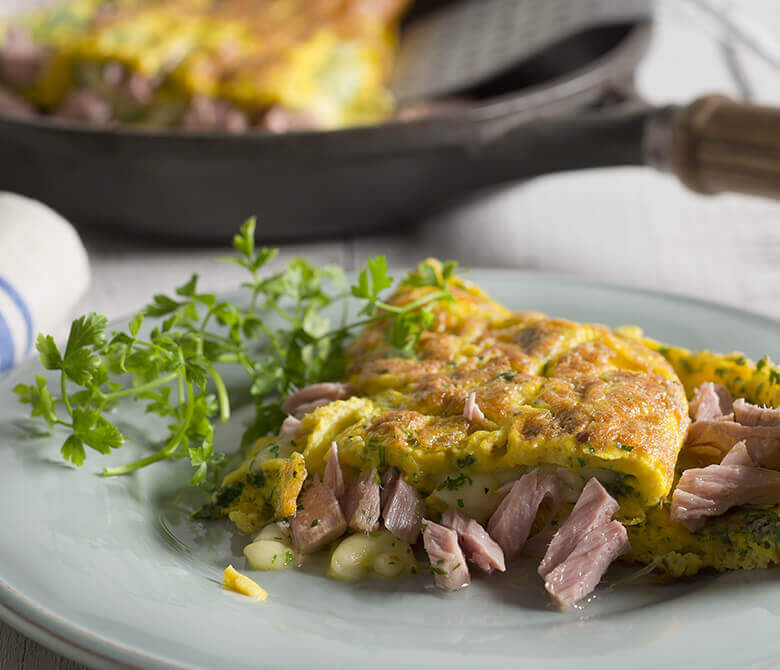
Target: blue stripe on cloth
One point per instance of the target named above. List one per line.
(6, 346)
(21, 305)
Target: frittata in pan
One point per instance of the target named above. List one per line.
(505, 433)
(204, 64)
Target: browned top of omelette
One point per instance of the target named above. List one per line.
(552, 392)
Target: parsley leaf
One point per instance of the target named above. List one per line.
(170, 356)
(371, 282)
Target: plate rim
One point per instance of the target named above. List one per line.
(49, 629)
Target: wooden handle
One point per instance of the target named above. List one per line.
(718, 145)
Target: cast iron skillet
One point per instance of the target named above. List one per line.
(567, 108)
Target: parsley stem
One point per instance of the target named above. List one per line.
(282, 313)
(389, 314)
(134, 390)
(424, 300)
(170, 447)
(136, 465)
(65, 398)
(385, 307)
(174, 442)
(222, 394)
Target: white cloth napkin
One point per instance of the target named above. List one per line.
(44, 271)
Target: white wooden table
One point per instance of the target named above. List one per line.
(628, 226)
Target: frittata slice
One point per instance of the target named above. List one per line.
(554, 394)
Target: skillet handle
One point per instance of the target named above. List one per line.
(716, 144)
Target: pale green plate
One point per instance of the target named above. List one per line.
(112, 572)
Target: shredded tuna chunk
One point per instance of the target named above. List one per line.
(361, 503)
(447, 560)
(140, 89)
(511, 522)
(333, 475)
(113, 73)
(706, 492)
(280, 119)
(471, 410)
(388, 478)
(311, 397)
(84, 104)
(480, 548)
(710, 401)
(580, 573)
(290, 429)
(206, 113)
(20, 58)
(403, 510)
(319, 521)
(723, 435)
(133, 86)
(738, 455)
(594, 508)
(13, 105)
(753, 415)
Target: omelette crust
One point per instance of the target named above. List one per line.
(553, 392)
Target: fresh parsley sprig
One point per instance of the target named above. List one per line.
(283, 341)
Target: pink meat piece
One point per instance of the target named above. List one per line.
(710, 401)
(761, 441)
(290, 429)
(135, 86)
(113, 73)
(702, 493)
(20, 58)
(206, 113)
(361, 503)
(389, 477)
(319, 521)
(84, 104)
(280, 119)
(448, 563)
(333, 476)
(580, 573)
(403, 510)
(13, 105)
(480, 548)
(140, 89)
(594, 508)
(471, 410)
(511, 523)
(753, 415)
(310, 397)
(738, 455)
